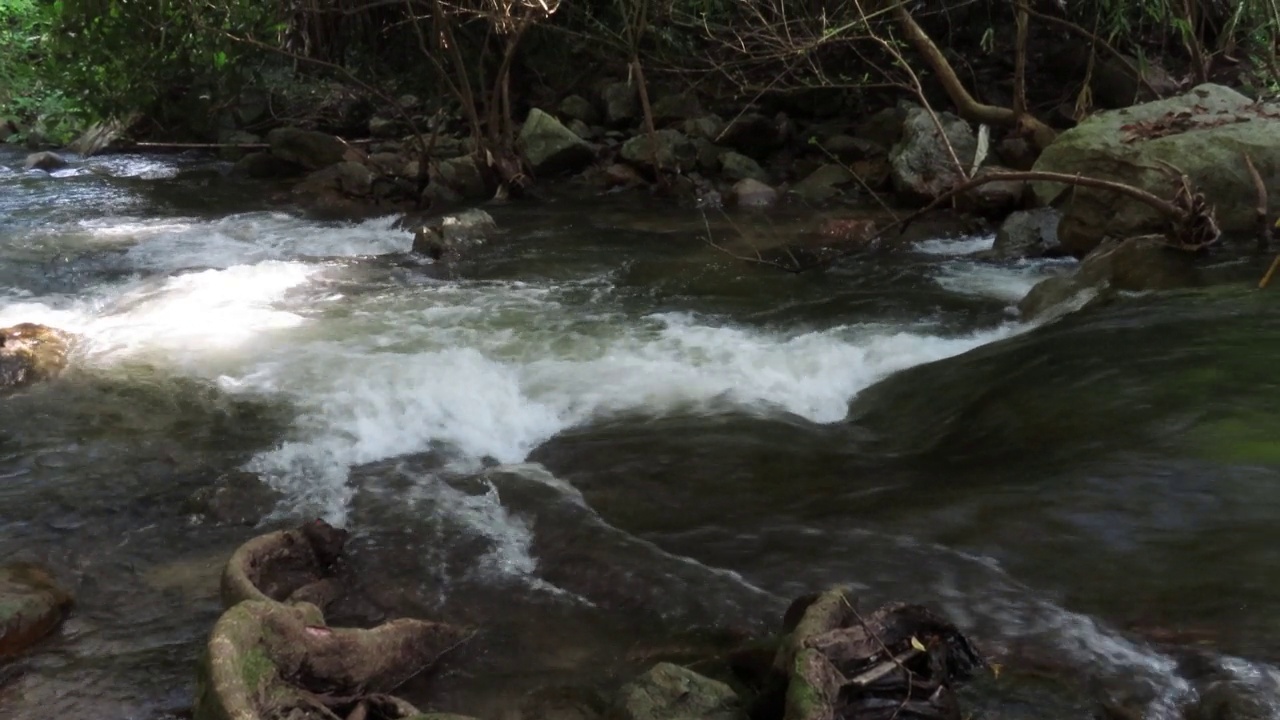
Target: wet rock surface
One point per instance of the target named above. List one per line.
(32, 605)
(31, 353)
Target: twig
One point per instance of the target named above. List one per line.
(1266, 279)
(862, 621)
(1260, 209)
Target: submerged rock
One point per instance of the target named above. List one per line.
(30, 353)
(1027, 233)
(446, 237)
(46, 161)
(236, 498)
(671, 692)
(31, 606)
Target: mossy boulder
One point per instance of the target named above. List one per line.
(671, 692)
(31, 353)
(1205, 133)
(32, 605)
(922, 164)
(550, 147)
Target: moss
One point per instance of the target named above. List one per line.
(803, 700)
(256, 669)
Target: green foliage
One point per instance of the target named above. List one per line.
(26, 93)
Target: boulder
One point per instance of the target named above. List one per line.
(884, 127)
(236, 498)
(736, 166)
(1027, 233)
(551, 148)
(232, 140)
(703, 127)
(348, 178)
(264, 165)
(995, 199)
(750, 192)
(674, 150)
(446, 237)
(621, 175)
(563, 703)
(847, 148)
(383, 127)
(394, 164)
(676, 108)
(621, 104)
(1137, 264)
(753, 134)
(31, 353)
(583, 130)
(32, 605)
(98, 137)
(466, 177)
(310, 149)
(921, 166)
(47, 161)
(671, 692)
(270, 660)
(1204, 133)
(823, 184)
(576, 107)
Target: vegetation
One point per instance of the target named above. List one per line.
(185, 64)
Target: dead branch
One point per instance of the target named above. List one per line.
(1263, 228)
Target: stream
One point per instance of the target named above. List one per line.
(602, 436)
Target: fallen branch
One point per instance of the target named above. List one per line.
(1263, 229)
(201, 146)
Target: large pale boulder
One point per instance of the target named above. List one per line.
(921, 165)
(671, 692)
(45, 160)
(550, 147)
(30, 353)
(1204, 133)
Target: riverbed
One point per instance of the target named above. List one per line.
(597, 435)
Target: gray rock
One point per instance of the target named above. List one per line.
(449, 236)
(46, 161)
(671, 692)
(348, 178)
(310, 149)
(849, 149)
(750, 192)
(393, 164)
(736, 166)
(884, 127)
(98, 137)
(582, 130)
(675, 108)
(921, 166)
(621, 103)
(264, 165)
(674, 150)
(823, 184)
(752, 134)
(576, 107)
(1204, 132)
(31, 353)
(550, 147)
(703, 127)
(995, 199)
(466, 177)
(383, 127)
(235, 138)
(1027, 233)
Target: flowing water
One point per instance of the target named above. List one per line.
(597, 435)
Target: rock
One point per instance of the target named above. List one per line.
(231, 153)
(822, 184)
(382, 127)
(466, 177)
(671, 692)
(46, 161)
(394, 164)
(269, 660)
(1027, 234)
(576, 107)
(98, 137)
(621, 103)
(620, 175)
(736, 166)
(921, 166)
(1203, 132)
(750, 192)
(301, 565)
(1017, 153)
(709, 155)
(1137, 264)
(31, 353)
(704, 127)
(582, 130)
(563, 703)
(352, 179)
(236, 498)
(884, 127)
(676, 108)
(995, 199)
(752, 134)
(446, 237)
(848, 149)
(264, 165)
(312, 150)
(675, 151)
(7, 129)
(551, 148)
(32, 605)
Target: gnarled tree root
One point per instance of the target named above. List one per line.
(300, 565)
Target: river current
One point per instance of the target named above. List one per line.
(598, 434)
